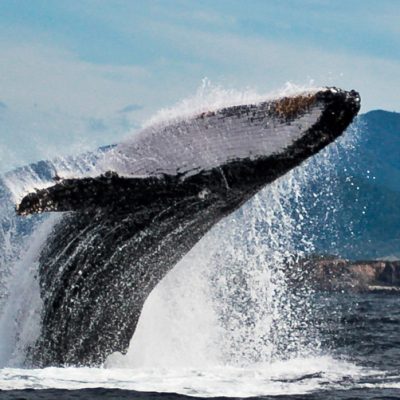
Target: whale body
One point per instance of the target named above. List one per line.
(157, 194)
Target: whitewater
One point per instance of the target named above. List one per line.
(226, 321)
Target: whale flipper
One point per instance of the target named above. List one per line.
(88, 193)
(161, 192)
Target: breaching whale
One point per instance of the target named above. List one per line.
(156, 196)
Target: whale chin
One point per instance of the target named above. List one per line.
(155, 197)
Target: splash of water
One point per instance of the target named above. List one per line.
(210, 97)
(21, 241)
(240, 297)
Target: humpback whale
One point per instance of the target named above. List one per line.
(154, 198)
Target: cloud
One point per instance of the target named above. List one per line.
(119, 124)
(321, 42)
(57, 79)
(267, 64)
(130, 108)
(97, 125)
(61, 104)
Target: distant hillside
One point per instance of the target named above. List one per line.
(366, 192)
(381, 147)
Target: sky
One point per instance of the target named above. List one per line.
(75, 75)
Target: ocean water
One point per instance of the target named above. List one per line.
(361, 360)
(236, 318)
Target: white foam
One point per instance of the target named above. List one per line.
(20, 317)
(296, 376)
(211, 97)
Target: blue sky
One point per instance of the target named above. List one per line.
(78, 74)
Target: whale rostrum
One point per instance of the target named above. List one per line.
(155, 197)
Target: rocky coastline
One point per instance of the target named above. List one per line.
(336, 274)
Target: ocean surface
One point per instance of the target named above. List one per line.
(359, 357)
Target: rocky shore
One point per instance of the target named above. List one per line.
(334, 274)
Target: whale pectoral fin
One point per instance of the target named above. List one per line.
(93, 193)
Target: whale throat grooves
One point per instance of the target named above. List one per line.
(159, 193)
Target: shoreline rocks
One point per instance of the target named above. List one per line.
(336, 274)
